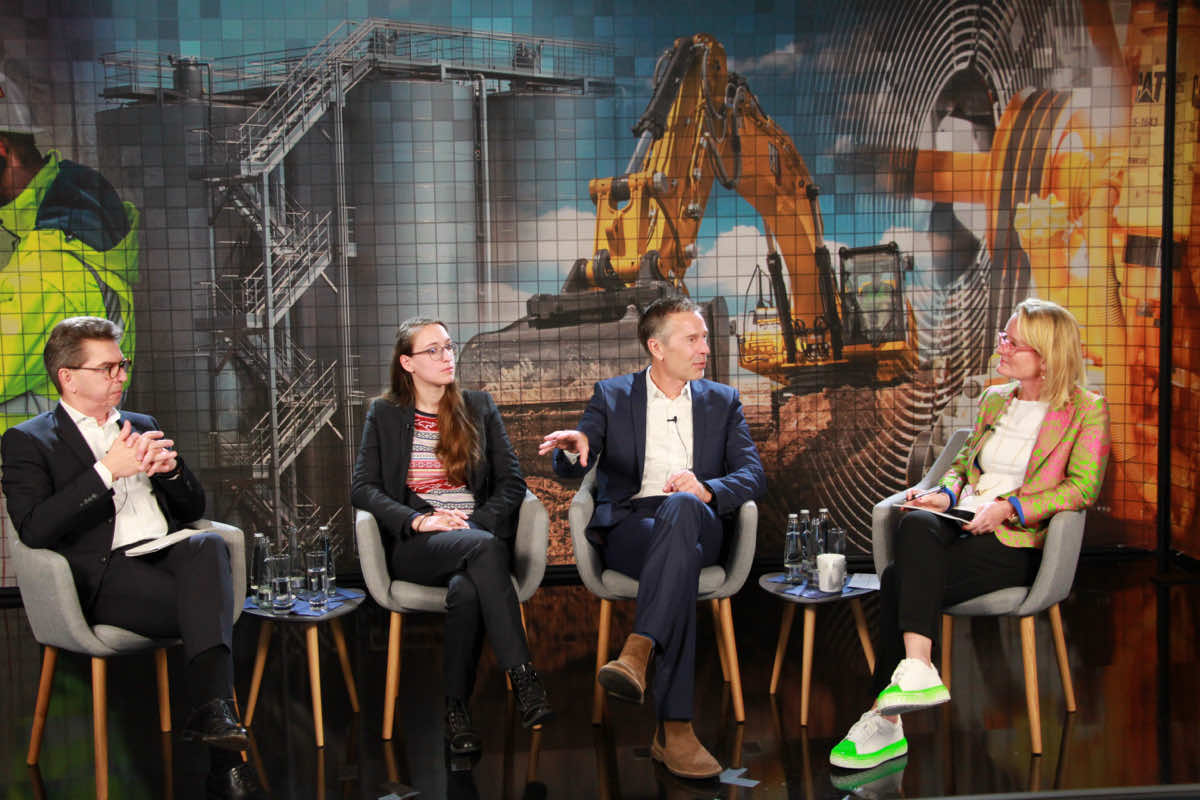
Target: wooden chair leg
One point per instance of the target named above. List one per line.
(864, 633)
(314, 682)
(1029, 659)
(785, 632)
(947, 638)
(715, 605)
(601, 659)
(100, 724)
(810, 625)
(339, 639)
(260, 660)
(735, 675)
(391, 686)
(164, 690)
(42, 705)
(1060, 651)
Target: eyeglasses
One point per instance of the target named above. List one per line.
(1007, 343)
(112, 369)
(435, 351)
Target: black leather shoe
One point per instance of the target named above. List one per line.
(461, 736)
(216, 724)
(239, 783)
(531, 695)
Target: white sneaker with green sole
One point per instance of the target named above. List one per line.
(871, 741)
(915, 685)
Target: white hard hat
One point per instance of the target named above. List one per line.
(15, 116)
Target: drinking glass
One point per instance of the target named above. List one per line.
(260, 578)
(316, 569)
(280, 567)
(835, 541)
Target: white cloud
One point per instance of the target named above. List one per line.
(559, 236)
(781, 60)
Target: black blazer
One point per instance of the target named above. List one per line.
(724, 456)
(380, 483)
(57, 501)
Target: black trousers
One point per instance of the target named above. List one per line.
(664, 544)
(937, 564)
(475, 566)
(183, 591)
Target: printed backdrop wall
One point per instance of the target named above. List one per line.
(859, 193)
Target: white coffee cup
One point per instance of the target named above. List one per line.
(831, 571)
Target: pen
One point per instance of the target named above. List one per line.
(934, 490)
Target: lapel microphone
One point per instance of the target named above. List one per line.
(674, 419)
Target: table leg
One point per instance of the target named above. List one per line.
(864, 635)
(260, 660)
(810, 624)
(314, 682)
(785, 631)
(344, 657)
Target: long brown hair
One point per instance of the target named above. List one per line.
(458, 441)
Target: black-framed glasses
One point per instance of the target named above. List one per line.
(1007, 343)
(435, 351)
(112, 369)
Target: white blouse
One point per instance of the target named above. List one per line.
(1005, 455)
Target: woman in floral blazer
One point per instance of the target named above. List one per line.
(1040, 446)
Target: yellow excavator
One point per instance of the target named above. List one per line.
(703, 124)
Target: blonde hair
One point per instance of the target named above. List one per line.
(1054, 332)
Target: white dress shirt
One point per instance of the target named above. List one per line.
(668, 436)
(138, 516)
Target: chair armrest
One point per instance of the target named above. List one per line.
(235, 540)
(1060, 557)
(883, 522)
(885, 514)
(588, 561)
(371, 558)
(741, 550)
(51, 600)
(529, 546)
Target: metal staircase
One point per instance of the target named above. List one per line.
(290, 92)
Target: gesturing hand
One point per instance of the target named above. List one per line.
(567, 441)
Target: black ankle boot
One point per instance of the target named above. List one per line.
(461, 736)
(531, 695)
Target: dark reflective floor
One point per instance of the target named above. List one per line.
(977, 744)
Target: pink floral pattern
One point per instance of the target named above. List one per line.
(1066, 468)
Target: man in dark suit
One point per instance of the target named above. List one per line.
(89, 481)
(674, 462)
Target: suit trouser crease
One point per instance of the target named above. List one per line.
(937, 566)
(474, 565)
(184, 591)
(665, 543)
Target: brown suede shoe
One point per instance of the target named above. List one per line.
(676, 746)
(625, 677)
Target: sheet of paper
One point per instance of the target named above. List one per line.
(863, 580)
(154, 545)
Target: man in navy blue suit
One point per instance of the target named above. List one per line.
(674, 462)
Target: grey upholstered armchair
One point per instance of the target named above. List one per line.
(402, 597)
(56, 617)
(717, 584)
